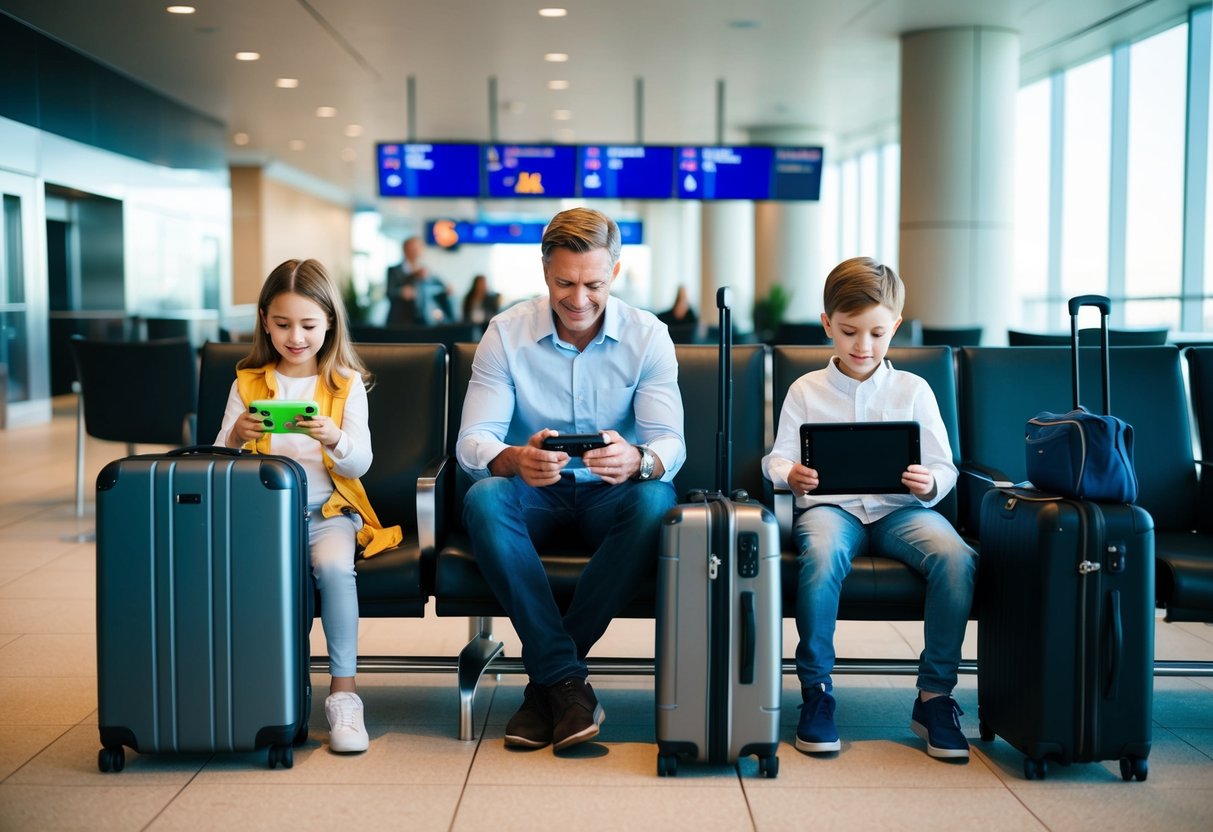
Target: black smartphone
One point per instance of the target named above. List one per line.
(574, 444)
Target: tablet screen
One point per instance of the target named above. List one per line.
(859, 457)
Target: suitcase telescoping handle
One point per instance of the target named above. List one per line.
(1104, 306)
(724, 423)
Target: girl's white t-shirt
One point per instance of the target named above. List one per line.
(351, 455)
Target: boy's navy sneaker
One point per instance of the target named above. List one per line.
(938, 722)
(816, 733)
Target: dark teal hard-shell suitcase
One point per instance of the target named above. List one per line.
(204, 604)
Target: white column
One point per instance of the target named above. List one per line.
(665, 233)
(727, 246)
(958, 91)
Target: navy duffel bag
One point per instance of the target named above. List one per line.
(1082, 455)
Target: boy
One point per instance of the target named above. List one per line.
(863, 301)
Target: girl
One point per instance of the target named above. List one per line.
(301, 350)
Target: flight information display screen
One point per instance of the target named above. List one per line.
(547, 170)
(749, 172)
(429, 170)
(625, 171)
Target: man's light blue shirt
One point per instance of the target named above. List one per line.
(525, 378)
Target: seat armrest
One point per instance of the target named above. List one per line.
(432, 485)
(784, 505)
(1204, 473)
(971, 486)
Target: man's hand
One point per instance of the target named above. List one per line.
(617, 462)
(536, 466)
(920, 481)
(802, 480)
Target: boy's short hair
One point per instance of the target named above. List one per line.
(859, 283)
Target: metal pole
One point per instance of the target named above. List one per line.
(639, 111)
(412, 108)
(720, 111)
(493, 108)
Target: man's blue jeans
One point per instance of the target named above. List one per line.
(828, 538)
(507, 519)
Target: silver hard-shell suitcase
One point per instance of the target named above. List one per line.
(204, 604)
(719, 617)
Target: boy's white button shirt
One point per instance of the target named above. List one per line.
(829, 395)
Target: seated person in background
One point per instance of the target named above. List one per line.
(479, 304)
(863, 302)
(681, 312)
(575, 361)
(416, 296)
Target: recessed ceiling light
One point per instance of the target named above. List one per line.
(287, 83)
(556, 57)
(553, 12)
(296, 144)
(353, 130)
(326, 112)
(348, 154)
(180, 9)
(558, 85)
(240, 139)
(562, 115)
(248, 56)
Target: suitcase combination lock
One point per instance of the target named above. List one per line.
(713, 567)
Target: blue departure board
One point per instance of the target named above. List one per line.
(546, 170)
(625, 171)
(796, 173)
(749, 172)
(450, 234)
(429, 170)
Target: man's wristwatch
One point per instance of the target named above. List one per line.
(647, 463)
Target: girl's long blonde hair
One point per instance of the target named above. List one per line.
(308, 278)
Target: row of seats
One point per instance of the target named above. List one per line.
(985, 395)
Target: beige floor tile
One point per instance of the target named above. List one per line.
(72, 761)
(878, 806)
(42, 616)
(1130, 807)
(84, 808)
(49, 583)
(69, 654)
(600, 807)
(8, 638)
(59, 700)
(7, 576)
(20, 745)
(1200, 739)
(228, 806)
(1182, 703)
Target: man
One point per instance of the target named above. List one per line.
(416, 296)
(575, 361)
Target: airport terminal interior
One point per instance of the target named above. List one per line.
(157, 161)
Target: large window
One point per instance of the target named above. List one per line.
(1154, 209)
(1031, 268)
(1086, 159)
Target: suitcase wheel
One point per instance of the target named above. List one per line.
(1035, 769)
(284, 754)
(114, 759)
(1131, 767)
(769, 766)
(667, 765)
(985, 732)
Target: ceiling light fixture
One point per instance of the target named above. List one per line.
(248, 56)
(180, 9)
(326, 112)
(296, 144)
(556, 57)
(553, 12)
(353, 130)
(286, 83)
(240, 138)
(558, 85)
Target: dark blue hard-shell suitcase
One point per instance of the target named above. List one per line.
(204, 603)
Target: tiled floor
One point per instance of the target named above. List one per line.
(417, 775)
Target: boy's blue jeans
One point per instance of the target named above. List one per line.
(507, 519)
(828, 538)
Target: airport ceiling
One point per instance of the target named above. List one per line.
(820, 70)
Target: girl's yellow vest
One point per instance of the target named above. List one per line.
(348, 493)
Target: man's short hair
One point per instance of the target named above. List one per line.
(580, 230)
(859, 283)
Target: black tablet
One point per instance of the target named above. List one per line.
(859, 457)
